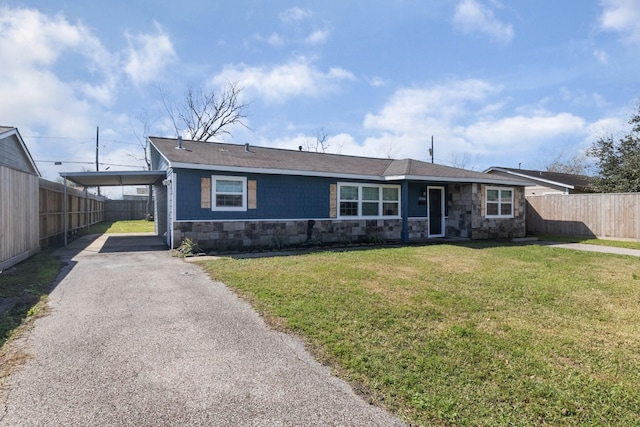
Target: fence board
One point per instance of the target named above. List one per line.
(18, 216)
(599, 215)
(125, 210)
(82, 209)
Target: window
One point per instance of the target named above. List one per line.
(367, 200)
(499, 202)
(229, 193)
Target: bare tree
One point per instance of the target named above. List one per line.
(205, 115)
(463, 160)
(574, 165)
(320, 145)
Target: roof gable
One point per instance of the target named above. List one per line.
(578, 182)
(14, 153)
(245, 158)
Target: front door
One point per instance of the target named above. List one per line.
(435, 204)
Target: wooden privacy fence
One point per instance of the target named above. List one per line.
(599, 215)
(18, 216)
(82, 210)
(124, 210)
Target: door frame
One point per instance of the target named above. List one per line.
(442, 219)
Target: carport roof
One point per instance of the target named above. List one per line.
(114, 178)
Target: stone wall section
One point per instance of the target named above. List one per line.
(230, 235)
(466, 217)
(465, 208)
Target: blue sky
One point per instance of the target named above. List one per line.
(495, 82)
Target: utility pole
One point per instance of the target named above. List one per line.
(97, 144)
(431, 149)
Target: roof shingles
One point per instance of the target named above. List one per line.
(201, 154)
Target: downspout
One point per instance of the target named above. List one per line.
(404, 234)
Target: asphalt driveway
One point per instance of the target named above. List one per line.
(138, 338)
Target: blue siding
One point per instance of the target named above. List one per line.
(415, 192)
(278, 197)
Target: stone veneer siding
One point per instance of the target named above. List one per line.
(246, 234)
(466, 217)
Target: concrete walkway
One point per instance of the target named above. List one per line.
(138, 338)
(593, 248)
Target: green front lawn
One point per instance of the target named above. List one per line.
(474, 334)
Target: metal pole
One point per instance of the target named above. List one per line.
(66, 223)
(431, 148)
(97, 143)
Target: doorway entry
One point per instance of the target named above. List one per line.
(435, 206)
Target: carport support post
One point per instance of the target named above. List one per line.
(86, 208)
(404, 234)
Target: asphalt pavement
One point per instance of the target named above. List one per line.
(136, 337)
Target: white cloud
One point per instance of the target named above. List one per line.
(378, 81)
(473, 17)
(148, 55)
(515, 132)
(293, 15)
(582, 98)
(33, 95)
(467, 118)
(601, 56)
(317, 37)
(413, 108)
(277, 84)
(622, 16)
(275, 39)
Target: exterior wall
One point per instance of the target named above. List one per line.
(539, 190)
(278, 197)
(160, 211)
(222, 235)
(460, 209)
(467, 216)
(286, 204)
(12, 155)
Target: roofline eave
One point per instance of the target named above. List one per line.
(457, 180)
(522, 175)
(240, 169)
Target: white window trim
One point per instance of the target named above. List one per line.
(214, 200)
(499, 189)
(360, 201)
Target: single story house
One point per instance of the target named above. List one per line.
(19, 200)
(543, 182)
(234, 196)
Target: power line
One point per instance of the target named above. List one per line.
(82, 140)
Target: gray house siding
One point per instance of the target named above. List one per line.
(13, 156)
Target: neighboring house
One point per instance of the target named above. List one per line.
(543, 182)
(232, 196)
(19, 200)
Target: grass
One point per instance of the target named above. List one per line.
(590, 241)
(23, 286)
(115, 227)
(464, 335)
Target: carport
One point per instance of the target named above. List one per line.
(111, 179)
